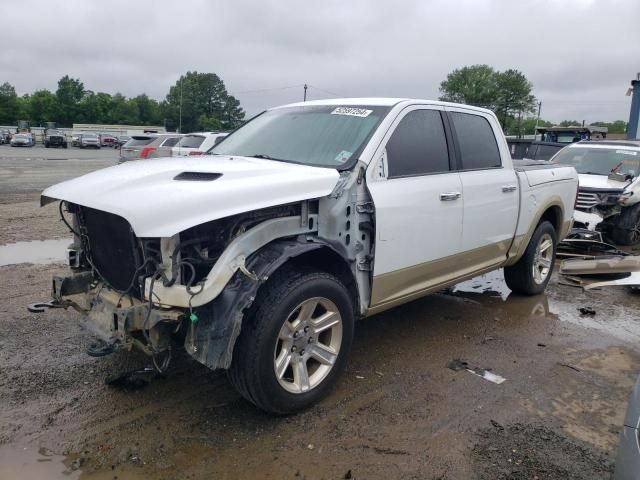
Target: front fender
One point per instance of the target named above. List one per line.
(211, 339)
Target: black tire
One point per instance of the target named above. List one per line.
(252, 370)
(520, 276)
(626, 229)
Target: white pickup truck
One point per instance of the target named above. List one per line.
(258, 257)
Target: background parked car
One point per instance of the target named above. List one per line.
(132, 149)
(121, 140)
(87, 140)
(148, 146)
(5, 134)
(22, 140)
(107, 140)
(54, 138)
(163, 146)
(196, 143)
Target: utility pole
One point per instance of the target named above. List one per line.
(180, 121)
(305, 93)
(535, 131)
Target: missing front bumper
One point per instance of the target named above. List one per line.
(120, 321)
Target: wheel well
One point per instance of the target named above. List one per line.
(327, 260)
(554, 216)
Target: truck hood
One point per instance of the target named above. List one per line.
(600, 181)
(157, 204)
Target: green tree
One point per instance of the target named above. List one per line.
(202, 97)
(123, 111)
(473, 85)
(42, 106)
(148, 110)
(508, 93)
(570, 123)
(9, 105)
(514, 95)
(69, 94)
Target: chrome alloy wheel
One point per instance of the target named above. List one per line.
(543, 259)
(308, 345)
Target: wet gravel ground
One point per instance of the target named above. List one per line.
(397, 411)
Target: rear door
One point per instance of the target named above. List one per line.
(489, 185)
(418, 203)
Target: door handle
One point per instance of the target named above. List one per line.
(508, 188)
(449, 196)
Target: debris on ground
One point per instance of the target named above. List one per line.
(456, 365)
(582, 247)
(569, 366)
(587, 311)
(616, 270)
(133, 379)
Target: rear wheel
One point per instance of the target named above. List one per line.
(531, 274)
(294, 342)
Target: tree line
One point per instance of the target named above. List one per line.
(200, 101)
(509, 94)
(197, 101)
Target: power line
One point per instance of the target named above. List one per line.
(326, 91)
(267, 89)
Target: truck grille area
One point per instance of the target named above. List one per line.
(111, 247)
(587, 200)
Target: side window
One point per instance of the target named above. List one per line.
(478, 147)
(418, 145)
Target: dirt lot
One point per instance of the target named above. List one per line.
(397, 412)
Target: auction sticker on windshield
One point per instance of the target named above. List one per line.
(354, 112)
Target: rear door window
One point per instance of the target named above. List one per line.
(477, 142)
(418, 146)
(171, 142)
(139, 141)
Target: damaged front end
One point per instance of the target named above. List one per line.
(155, 293)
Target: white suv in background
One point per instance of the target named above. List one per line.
(609, 195)
(196, 143)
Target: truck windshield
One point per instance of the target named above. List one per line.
(600, 161)
(318, 135)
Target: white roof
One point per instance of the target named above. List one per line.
(610, 145)
(379, 102)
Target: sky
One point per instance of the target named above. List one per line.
(580, 55)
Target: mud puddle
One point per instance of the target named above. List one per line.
(615, 307)
(28, 463)
(40, 252)
(491, 283)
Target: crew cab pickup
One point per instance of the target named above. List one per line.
(259, 256)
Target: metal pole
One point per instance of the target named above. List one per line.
(305, 93)
(535, 130)
(180, 121)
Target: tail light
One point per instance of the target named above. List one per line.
(146, 151)
(191, 154)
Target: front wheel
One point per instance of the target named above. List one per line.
(626, 229)
(531, 274)
(294, 341)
